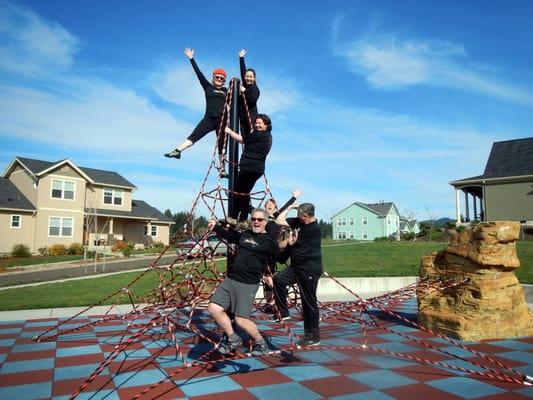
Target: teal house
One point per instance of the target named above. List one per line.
(360, 221)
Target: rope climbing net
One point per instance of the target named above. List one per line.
(172, 313)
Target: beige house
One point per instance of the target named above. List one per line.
(44, 203)
(504, 191)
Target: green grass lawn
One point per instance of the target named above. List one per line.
(10, 262)
(342, 260)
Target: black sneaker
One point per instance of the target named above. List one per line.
(259, 349)
(275, 318)
(227, 346)
(307, 342)
(173, 154)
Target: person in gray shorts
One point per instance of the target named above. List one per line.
(237, 292)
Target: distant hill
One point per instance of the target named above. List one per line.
(439, 223)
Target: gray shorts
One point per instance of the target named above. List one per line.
(235, 296)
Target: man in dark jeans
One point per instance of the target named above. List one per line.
(303, 249)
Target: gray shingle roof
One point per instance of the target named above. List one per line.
(12, 198)
(510, 158)
(97, 175)
(139, 209)
(381, 208)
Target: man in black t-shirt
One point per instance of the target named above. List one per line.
(237, 292)
(303, 249)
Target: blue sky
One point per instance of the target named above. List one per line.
(369, 100)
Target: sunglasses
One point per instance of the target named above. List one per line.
(219, 78)
(258, 219)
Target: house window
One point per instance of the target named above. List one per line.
(63, 189)
(60, 226)
(388, 220)
(365, 235)
(151, 232)
(342, 235)
(339, 222)
(344, 221)
(351, 234)
(16, 221)
(365, 220)
(113, 196)
(351, 221)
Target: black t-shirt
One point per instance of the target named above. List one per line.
(305, 254)
(252, 255)
(215, 98)
(256, 148)
(251, 93)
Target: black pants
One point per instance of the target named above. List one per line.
(307, 283)
(246, 128)
(241, 199)
(206, 125)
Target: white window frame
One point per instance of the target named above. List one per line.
(63, 182)
(61, 226)
(365, 220)
(351, 221)
(19, 221)
(114, 196)
(351, 235)
(156, 231)
(365, 234)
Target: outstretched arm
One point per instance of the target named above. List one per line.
(189, 53)
(242, 53)
(285, 208)
(234, 135)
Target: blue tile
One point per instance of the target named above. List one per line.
(461, 364)
(522, 356)
(49, 324)
(77, 371)
(465, 388)
(457, 351)
(33, 334)
(385, 362)
(78, 351)
(131, 355)
(391, 337)
(138, 378)
(381, 379)
(405, 329)
(304, 372)
(207, 385)
(27, 392)
(10, 331)
(395, 347)
(7, 342)
(284, 391)
(528, 392)
(22, 366)
(100, 395)
(22, 348)
(339, 342)
(241, 365)
(110, 328)
(372, 395)
(2, 357)
(513, 344)
(323, 356)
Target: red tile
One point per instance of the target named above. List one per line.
(132, 365)
(76, 343)
(423, 372)
(260, 378)
(69, 386)
(335, 386)
(31, 355)
(163, 391)
(79, 360)
(24, 378)
(506, 396)
(419, 392)
(234, 394)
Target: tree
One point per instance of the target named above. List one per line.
(326, 229)
(432, 217)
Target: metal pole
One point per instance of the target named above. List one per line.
(233, 157)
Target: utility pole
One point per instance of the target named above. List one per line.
(233, 158)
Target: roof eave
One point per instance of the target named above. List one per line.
(12, 163)
(483, 180)
(60, 163)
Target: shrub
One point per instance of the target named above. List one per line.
(126, 252)
(57, 250)
(20, 250)
(381, 239)
(43, 251)
(408, 236)
(75, 249)
(119, 246)
(461, 228)
(158, 244)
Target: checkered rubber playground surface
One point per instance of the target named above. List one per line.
(339, 369)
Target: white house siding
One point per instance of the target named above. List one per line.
(12, 236)
(24, 182)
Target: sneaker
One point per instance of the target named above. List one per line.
(307, 342)
(259, 349)
(268, 309)
(227, 346)
(174, 154)
(276, 319)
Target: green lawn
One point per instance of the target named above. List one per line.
(9, 262)
(345, 259)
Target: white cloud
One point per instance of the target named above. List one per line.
(32, 46)
(388, 63)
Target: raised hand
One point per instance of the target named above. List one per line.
(242, 53)
(189, 53)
